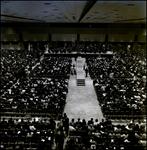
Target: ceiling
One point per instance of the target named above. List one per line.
(74, 11)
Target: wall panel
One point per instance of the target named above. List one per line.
(35, 37)
(92, 37)
(120, 38)
(10, 46)
(64, 37)
(51, 30)
(9, 37)
(142, 38)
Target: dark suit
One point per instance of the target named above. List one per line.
(86, 71)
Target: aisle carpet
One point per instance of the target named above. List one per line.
(81, 101)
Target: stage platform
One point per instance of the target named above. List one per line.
(80, 72)
(76, 55)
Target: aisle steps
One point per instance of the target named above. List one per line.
(80, 82)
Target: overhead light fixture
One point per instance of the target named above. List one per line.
(130, 4)
(47, 3)
(5, 1)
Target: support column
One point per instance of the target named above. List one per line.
(50, 40)
(78, 39)
(29, 46)
(38, 48)
(135, 43)
(106, 39)
(21, 42)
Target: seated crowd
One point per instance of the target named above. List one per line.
(61, 49)
(98, 48)
(44, 90)
(14, 65)
(46, 133)
(27, 132)
(120, 96)
(39, 95)
(82, 48)
(105, 66)
(135, 63)
(53, 66)
(104, 135)
(118, 90)
(28, 92)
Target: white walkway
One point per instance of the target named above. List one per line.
(82, 101)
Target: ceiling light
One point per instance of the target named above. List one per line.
(47, 3)
(134, 16)
(5, 1)
(130, 4)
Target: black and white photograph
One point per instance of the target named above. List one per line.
(73, 75)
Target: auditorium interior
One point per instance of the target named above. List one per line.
(73, 75)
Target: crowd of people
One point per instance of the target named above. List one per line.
(120, 89)
(120, 83)
(134, 62)
(82, 48)
(27, 133)
(15, 64)
(46, 95)
(53, 66)
(28, 90)
(121, 96)
(104, 135)
(105, 66)
(98, 48)
(46, 133)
